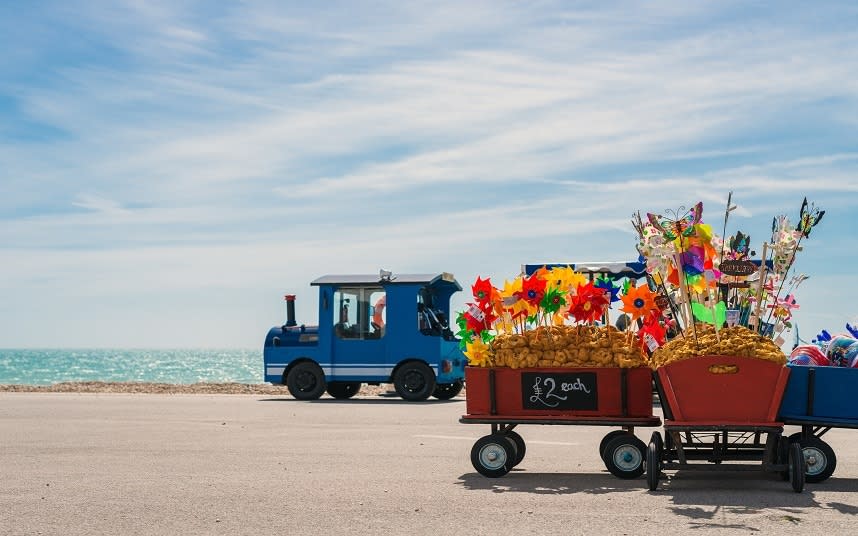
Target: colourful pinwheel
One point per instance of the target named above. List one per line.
(482, 290)
(607, 285)
(477, 353)
(638, 302)
(589, 303)
(652, 334)
(533, 289)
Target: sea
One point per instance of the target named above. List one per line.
(179, 366)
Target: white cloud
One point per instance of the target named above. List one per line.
(268, 143)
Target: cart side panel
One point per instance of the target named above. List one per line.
(500, 389)
(728, 389)
(820, 393)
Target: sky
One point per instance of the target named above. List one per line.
(169, 170)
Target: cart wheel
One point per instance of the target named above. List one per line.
(797, 467)
(492, 455)
(518, 444)
(306, 381)
(656, 436)
(625, 456)
(609, 436)
(653, 461)
(819, 459)
(343, 390)
(783, 456)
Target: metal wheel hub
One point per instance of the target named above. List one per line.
(492, 456)
(305, 381)
(627, 457)
(414, 381)
(815, 460)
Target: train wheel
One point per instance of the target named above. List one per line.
(343, 390)
(306, 381)
(446, 391)
(414, 381)
(492, 455)
(625, 456)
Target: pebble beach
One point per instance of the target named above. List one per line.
(202, 388)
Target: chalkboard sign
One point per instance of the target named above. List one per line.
(559, 391)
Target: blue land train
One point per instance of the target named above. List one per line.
(374, 329)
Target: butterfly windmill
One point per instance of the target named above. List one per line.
(677, 230)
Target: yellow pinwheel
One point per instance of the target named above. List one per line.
(477, 353)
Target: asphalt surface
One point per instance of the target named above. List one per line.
(249, 464)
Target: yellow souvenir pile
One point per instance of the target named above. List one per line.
(732, 341)
(566, 346)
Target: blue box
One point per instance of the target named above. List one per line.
(823, 395)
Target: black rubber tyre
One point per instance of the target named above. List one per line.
(797, 467)
(653, 464)
(819, 459)
(492, 455)
(625, 456)
(659, 442)
(783, 455)
(609, 436)
(518, 443)
(306, 381)
(446, 391)
(414, 381)
(343, 390)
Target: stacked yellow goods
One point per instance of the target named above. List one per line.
(567, 346)
(732, 341)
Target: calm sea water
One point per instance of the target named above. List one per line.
(44, 367)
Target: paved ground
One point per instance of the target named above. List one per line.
(249, 464)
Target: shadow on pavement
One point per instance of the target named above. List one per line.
(372, 401)
(519, 481)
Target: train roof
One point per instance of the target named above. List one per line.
(393, 279)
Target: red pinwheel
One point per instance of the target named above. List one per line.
(477, 319)
(652, 334)
(533, 289)
(482, 290)
(589, 303)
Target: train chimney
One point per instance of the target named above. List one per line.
(290, 310)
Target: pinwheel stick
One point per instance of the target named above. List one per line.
(714, 313)
(761, 276)
(686, 310)
(788, 268)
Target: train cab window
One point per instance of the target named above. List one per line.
(357, 311)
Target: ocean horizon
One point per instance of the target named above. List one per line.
(174, 366)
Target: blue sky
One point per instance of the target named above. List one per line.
(168, 170)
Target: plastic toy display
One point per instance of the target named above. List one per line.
(819, 397)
